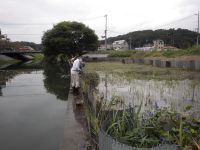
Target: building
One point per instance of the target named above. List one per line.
(158, 44)
(120, 45)
(103, 47)
(26, 48)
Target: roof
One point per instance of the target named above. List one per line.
(119, 42)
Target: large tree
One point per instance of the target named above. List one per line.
(69, 38)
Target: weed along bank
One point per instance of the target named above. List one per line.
(140, 107)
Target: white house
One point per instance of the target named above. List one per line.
(158, 44)
(120, 45)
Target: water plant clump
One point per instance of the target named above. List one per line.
(150, 129)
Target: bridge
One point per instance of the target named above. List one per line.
(17, 54)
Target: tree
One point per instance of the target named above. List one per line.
(69, 38)
(180, 38)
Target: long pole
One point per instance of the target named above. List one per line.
(106, 32)
(198, 29)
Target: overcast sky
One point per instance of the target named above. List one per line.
(26, 20)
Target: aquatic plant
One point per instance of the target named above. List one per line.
(150, 129)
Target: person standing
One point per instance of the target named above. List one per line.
(76, 70)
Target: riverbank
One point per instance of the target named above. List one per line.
(6, 60)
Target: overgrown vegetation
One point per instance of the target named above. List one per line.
(195, 50)
(136, 128)
(38, 57)
(150, 129)
(180, 38)
(136, 71)
(3, 62)
(131, 126)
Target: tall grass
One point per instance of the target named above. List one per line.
(195, 50)
(150, 129)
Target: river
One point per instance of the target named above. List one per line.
(33, 105)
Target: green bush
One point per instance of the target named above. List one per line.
(153, 128)
(126, 53)
(195, 50)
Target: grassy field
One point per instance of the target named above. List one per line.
(38, 57)
(131, 71)
(3, 62)
(168, 53)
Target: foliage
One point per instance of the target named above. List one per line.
(92, 79)
(3, 62)
(8, 45)
(137, 71)
(195, 50)
(101, 52)
(37, 57)
(150, 129)
(180, 38)
(95, 114)
(69, 38)
(126, 53)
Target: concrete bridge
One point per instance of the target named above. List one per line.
(17, 54)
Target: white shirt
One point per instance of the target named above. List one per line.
(76, 65)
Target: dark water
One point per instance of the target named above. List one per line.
(33, 108)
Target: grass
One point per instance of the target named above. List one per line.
(168, 53)
(131, 71)
(3, 62)
(118, 125)
(126, 53)
(149, 129)
(37, 57)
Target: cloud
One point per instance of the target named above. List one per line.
(123, 16)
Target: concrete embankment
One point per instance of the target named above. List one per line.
(191, 63)
(5, 58)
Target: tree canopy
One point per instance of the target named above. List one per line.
(180, 38)
(69, 38)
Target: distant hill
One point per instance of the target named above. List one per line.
(16, 45)
(24, 43)
(180, 38)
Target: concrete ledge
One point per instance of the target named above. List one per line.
(197, 65)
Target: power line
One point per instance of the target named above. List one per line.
(173, 22)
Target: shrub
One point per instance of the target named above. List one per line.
(153, 128)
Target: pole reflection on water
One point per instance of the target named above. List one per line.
(33, 107)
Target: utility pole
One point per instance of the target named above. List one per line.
(106, 32)
(130, 39)
(198, 30)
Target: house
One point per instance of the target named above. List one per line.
(103, 47)
(26, 48)
(158, 44)
(120, 45)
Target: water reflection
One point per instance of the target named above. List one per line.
(57, 78)
(6, 76)
(175, 94)
(27, 110)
